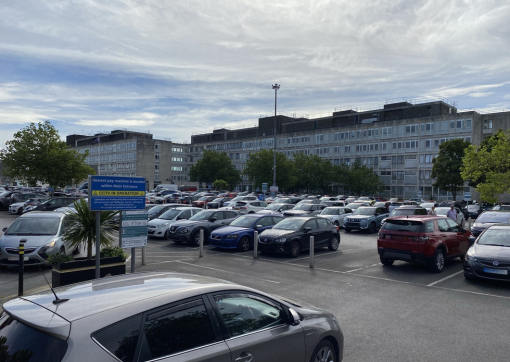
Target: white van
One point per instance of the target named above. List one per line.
(161, 187)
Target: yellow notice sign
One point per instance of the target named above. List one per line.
(118, 193)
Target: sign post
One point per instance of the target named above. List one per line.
(133, 232)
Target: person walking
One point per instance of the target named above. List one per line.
(452, 214)
(433, 210)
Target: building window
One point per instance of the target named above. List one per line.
(319, 137)
(428, 143)
(452, 124)
(156, 157)
(487, 124)
(468, 138)
(468, 123)
(385, 173)
(411, 128)
(156, 147)
(156, 167)
(347, 149)
(400, 175)
(460, 124)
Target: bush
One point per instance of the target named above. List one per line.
(60, 258)
(112, 252)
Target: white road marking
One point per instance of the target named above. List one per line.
(316, 255)
(442, 280)
(366, 267)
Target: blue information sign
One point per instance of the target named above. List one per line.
(116, 193)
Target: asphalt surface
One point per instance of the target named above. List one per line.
(398, 313)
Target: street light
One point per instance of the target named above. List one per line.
(275, 87)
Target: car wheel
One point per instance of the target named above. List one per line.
(347, 230)
(386, 261)
(437, 263)
(372, 229)
(294, 249)
(167, 235)
(244, 244)
(334, 243)
(195, 238)
(20, 211)
(62, 250)
(251, 212)
(324, 352)
(336, 223)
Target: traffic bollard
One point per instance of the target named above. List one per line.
(255, 244)
(133, 252)
(312, 250)
(143, 255)
(21, 265)
(202, 243)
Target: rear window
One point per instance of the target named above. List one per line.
(19, 342)
(406, 225)
(494, 217)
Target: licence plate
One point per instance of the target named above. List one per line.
(236, 208)
(495, 271)
(16, 258)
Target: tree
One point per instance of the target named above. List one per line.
(488, 166)
(36, 153)
(82, 227)
(220, 184)
(214, 166)
(446, 167)
(360, 179)
(259, 169)
(315, 173)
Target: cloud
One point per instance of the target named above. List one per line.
(480, 94)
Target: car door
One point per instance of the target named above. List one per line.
(265, 222)
(256, 328)
(446, 236)
(305, 237)
(382, 213)
(456, 235)
(324, 234)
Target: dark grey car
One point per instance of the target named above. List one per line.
(167, 317)
(188, 231)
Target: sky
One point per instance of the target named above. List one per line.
(180, 67)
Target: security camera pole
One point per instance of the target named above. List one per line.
(275, 87)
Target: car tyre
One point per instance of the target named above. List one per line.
(20, 211)
(347, 230)
(195, 238)
(324, 352)
(167, 235)
(372, 229)
(334, 243)
(62, 250)
(336, 223)
(294, 249)
(437, 263)
(244, 244)
(386, 261)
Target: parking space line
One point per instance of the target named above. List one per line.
(366, 267)
(316, 255)
(442, 280)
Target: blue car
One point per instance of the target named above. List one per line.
(239, 234)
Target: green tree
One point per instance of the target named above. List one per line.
(259, 169)
(488, 166)
(36, 153)
(315, 173)
(446, 167)
(220, 184)
(360, 179)
(214, 166)
(81, 228)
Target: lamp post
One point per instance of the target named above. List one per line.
(275, 87)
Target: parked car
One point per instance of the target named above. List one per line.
(501, 207)
(239, 198)
(159, 227)
(218, 202)
(428, 205)
(292, 236)
(17, 208)
(5, 199)
(385, 204)
(156, 211)
(309, 201)
(249, 207)
(143, 311)
(188, 231)
(333, 203)
(203, 201)
(489, 256)
(487, 219)
(474, 210)
(431, 239)
(51, 204)
(394, 205)
(304, 210)
(286, 200)
(335, 214)
(441, 211)
(407, 210)
(276, 209)
(365, 218)
(240, 233)
(354, 205)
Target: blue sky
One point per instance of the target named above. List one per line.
(182, 67)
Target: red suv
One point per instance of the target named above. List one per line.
(432, 239)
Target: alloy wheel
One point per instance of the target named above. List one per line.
(440, 261)
(325, 354)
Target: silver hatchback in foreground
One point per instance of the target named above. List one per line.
(166, 317)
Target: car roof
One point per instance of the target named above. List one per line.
(418, 217)
(403, 207)
(35, 214)
(501, 226)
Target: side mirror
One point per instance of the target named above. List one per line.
(212, 219)
(294, 316)
(4, 230)
(308, 229)
(258, 227)
(472, 240)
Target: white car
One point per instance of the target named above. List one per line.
(239, 198)
(276, 209)
(249, 207)
(17, 208)
(441, 211)
(335, 214)
(159, 227)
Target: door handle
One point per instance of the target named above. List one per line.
(245, 357)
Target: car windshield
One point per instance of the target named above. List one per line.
(365, 211)
(238, 198)
(473, 207)
(495, 236)
(305, 207)
(156, 209)
(354, 205)
(217, 200)
(203, 198)
(34, 226)
(427, 204)
(442, 210)
(380, 204)
(330, 211)
(243, 222)
(493, 217)
(170, 214)
(403, 225)
(504, 207)
(6, 193)
(400, 212)
(273, 206)
(280, 200)
(202, 215)
(290, 224)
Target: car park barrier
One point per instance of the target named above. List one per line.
(201, 243)
(312, 250)
(255, 244)
(21, 265)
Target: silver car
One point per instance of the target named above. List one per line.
(167, 317)
(335, 214)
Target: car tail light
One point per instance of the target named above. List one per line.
(381, 235)
(421, 239)
(244, 207)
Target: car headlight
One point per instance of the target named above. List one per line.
(183, 230)
(280, 240)
(50, 245)
(163, 225)
(232, 236)
(470, 257)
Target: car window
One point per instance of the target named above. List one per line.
(276, 220)
(186, 214)
(245, 313)
(348, 211)
(175, 330)
(218, 215)
(229, 214)
(265, 221)
(454, 227)
(429, 227)
(311, 224)
(443, 225)
(323, 223)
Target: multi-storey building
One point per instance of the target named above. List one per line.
(126, 153)
(398, 140)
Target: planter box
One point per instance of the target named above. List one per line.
(83, 270)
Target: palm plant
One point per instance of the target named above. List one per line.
(82, 227)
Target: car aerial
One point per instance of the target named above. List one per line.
(441, 211)
(249, 207)
(240, 233)
(144, 310)
(354, 205)
(489, 256)
(188, 231)
(406, 210)
(304, 210)
(276, 209)
(292, 236)
(431, 239)
(474, 210)
(335, 214)
(365, 218)
(43, 232)
(218, 202)
(159, 227)
(157, 210)
(488, 218)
